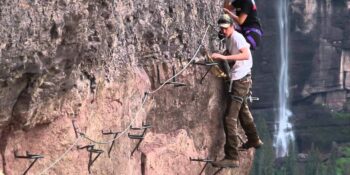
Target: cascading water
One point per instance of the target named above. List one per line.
(284, 134)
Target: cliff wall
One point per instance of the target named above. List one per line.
(92, 62)
(319, 53)
(318, 69)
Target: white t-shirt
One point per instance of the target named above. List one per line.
(242, 67)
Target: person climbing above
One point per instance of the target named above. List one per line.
(247, 18)
(239, 85)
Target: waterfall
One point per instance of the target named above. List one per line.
(284, 134)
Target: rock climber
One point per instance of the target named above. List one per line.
(246, 17)
(239, 85)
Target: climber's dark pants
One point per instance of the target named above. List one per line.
(237, 108)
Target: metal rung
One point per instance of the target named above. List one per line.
(86, 146)
(199, 63)
(114, 137)
(173, 81)
(91, 150)
(144, 126)
(176, 84)
(34, 156)
(109, 132)
(75, 129)
(28, 156)
(201, 160)
(206, 63)
(95, 151)
(139, 137)
(211, 64)
(251, 99)
(135, 136)
(207, 161)
(134, 128)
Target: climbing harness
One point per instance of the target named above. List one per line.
(248, 33)
(247, 98)
(237, 98)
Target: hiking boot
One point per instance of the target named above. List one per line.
(226, 163)
(255, 145)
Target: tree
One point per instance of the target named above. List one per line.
(265, 156)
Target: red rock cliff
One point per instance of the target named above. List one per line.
(92, 62)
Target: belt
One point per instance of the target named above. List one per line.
(230, 82)
(243, 78)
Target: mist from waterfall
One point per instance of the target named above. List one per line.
(283, 127)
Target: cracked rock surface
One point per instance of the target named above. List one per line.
(92, 62)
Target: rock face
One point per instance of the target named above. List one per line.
(319, 53)
(92, 62)
(318, 68)
(327, 50)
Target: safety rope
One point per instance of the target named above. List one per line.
(121, 133)
(82, 135)
(151, 92)
(61, 157)
(183, 69)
